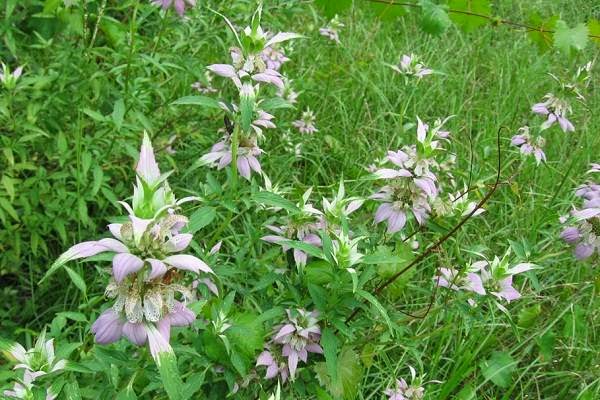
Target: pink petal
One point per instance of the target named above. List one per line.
(188, 263)
(125, 264)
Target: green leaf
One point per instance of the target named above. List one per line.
(305, 247)
(371, 299)
(542, 36)
(462, 13)
(118, 113)
(387, 12)
(546, 345)
(167, 367)
(5, 204)
(594, 30)
(274, 200)
(76, 279)
(332, 7)
(570, 40)
(275, 103)
(349, 375)
(434, 18)
(499, 368)
(330, 344)
(528, 316)
(199, 219)
(203, 101)
(467, 393)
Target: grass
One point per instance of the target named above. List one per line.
(490, 79)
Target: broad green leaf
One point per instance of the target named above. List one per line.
(375, 303)
(467, 393)
(274, 200)
(499, 368)
(5, 204)
(434, 18)
(387, 12)
(203, 101)
(462, 13)
(546, 345)
(528, 316)
(169, 374)
(118, 113)
(594, 30)
(542, 36)
(275, 103)
(349, 375)
(76, 279)
(330, 344)
(570, 40)
(332, 7)
(199, 219)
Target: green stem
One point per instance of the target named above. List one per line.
(163, 23)
(235, 138)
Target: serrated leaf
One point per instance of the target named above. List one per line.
(434, 18)
(274, 200)
(546, 345)
(594, 30)
(199, 219)
(542, 36)
(570, 40)
(499, 368)
(203, 101)
(387, 12)
(332, 7)
(169, 374)
(330, 344)
(462, 13)
(528, 316)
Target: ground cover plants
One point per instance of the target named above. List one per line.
(299, 199)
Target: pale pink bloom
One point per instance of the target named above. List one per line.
(9, 78)
(530, 145)
(178, 5)
(331, 31)
(455, 280)
(403, 391)
(409, 65)
(273, 58)
(586, 235)
(555, 110)
(220, 156)
(276, 366)
(306, 124)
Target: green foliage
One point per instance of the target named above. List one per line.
(463, 13)
(499, 368)
(570, 40)
(434, 17)
(348, 373)
(332, 7)
(542, 36)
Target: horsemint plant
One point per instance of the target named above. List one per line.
(149, 284)
(255, 62)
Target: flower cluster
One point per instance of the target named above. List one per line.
(35, 362)
(302, 225)
(147, 282)
(530, 145)
(555, 110)
(8, 78)
(292, 341)
(178, 5)
(306, 123)
(413, 184)
(482, 277)
(331, 31)
(585, 232)
(410, 66)
(403, 391)
(256, 61)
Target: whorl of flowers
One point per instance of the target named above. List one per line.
(413, 183)
(403, 391)
(8, 78)
(331, 31)
(306, 123)
(482, 277)
(178, 5)
(584, 234)
(410, 66)
(556, 110)
(529, 144)
(299, 335)
(302, 225)
(256, 61)
(147, 283)
(35, 362)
